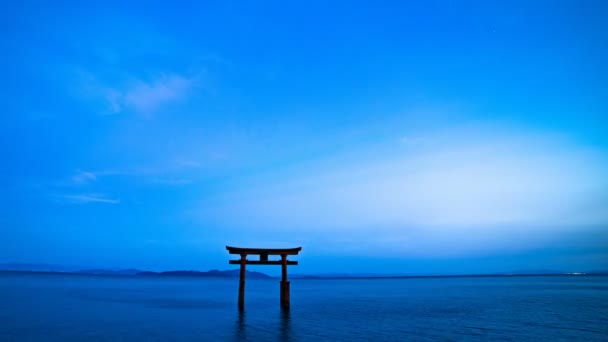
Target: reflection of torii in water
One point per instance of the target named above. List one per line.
(264, 253)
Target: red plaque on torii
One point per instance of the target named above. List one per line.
(263, 260)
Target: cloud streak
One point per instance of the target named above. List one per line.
(82, 177)
(143, 97)
(171, 172)
(89, 198)
(476, 194)
(146, 98)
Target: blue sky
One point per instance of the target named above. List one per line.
(391, 137)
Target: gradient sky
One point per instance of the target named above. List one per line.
(388, 137)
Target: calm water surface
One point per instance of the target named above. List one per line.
(98, 308)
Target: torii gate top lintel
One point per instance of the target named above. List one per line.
(269, 251)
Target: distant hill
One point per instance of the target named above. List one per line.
(212, 273)
(130, 271)
(48, 268)
(37, 267)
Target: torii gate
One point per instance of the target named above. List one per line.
(264, 253)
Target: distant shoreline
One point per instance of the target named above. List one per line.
(458, 276)
(228, 274)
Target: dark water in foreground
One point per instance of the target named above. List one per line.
(98, 308)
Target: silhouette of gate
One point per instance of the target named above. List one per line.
(263, 260)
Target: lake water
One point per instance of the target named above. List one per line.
(35, 307)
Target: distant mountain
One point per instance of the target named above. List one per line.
(212, 273)
(48, 268)
(130, 271)
(64, 269)
(36, 267)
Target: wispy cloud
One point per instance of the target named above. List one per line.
(172, 181)
(143, 97)
(166, 172)
(146, 98)
(413, 140)
(89, 198)
(178, 172)
(188, 163)
(82, 177)
(477, 192)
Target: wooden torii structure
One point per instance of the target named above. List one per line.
(263, 260)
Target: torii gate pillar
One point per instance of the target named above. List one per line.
(242, 282)
(284, 283)
(264, 253)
